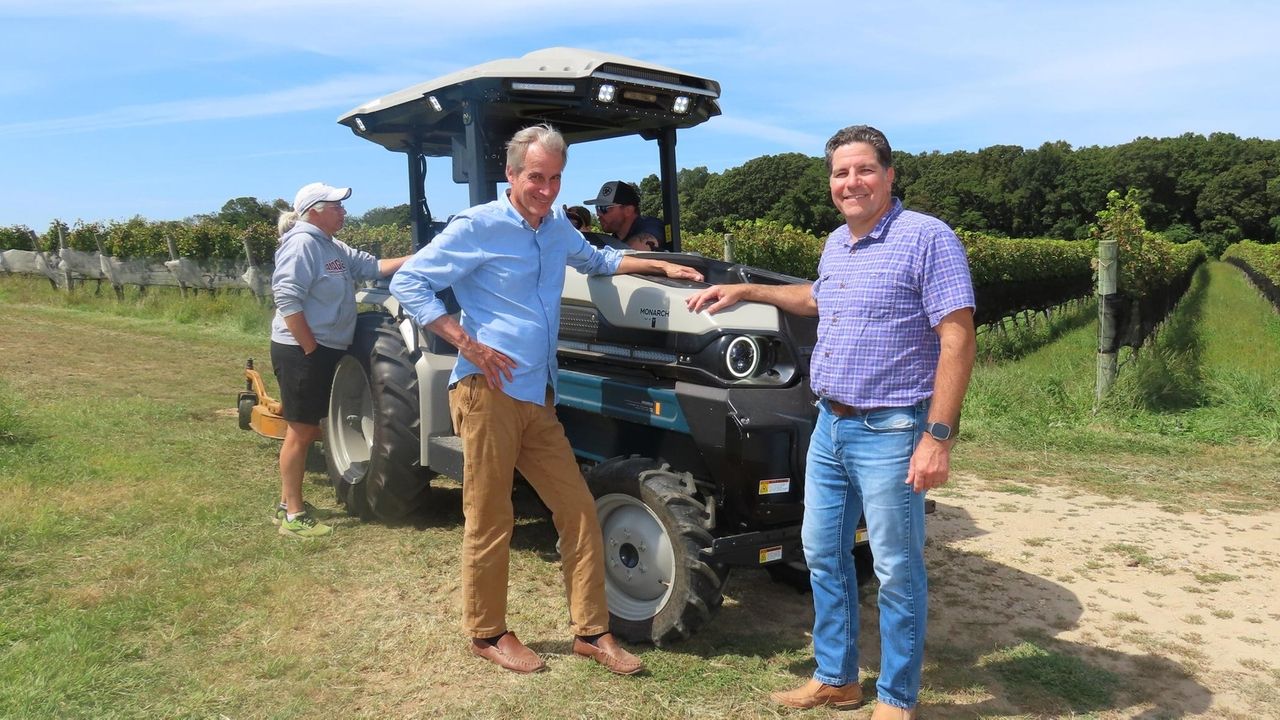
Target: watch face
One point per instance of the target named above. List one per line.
(940, 431)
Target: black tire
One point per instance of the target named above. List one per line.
(371, 432)
(244, 409)
(659, 588)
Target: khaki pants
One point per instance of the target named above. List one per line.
(501, 434)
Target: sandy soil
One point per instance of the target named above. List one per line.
(1183, 609)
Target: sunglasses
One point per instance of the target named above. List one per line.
(603, 209)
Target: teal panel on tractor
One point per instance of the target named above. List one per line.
(656, 407)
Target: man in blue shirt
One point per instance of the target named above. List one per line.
(896, 345)
(505, 261)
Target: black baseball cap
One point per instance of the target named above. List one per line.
(616, 192)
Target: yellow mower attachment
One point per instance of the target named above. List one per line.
(258, 411)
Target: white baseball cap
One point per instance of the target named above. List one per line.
(318, 192)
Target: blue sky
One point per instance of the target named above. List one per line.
(166, 108)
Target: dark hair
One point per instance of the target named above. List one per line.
(579, 216)
(861, 134)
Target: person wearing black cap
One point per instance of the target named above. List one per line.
(618, 207)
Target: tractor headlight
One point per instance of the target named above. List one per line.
(739, 359)
(742, 357)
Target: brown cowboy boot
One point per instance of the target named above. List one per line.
(817, 694)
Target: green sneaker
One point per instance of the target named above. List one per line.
(304, 526)
(278, 513)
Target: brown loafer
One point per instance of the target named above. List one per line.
(817, 694)
(508, 653)
(608, 653)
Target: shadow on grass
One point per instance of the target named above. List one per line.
(992, 635)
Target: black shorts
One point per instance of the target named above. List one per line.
(305, 380)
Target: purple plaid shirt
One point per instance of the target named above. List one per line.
(878, 302)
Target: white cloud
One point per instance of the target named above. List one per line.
(341, 94)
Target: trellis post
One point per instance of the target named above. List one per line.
(106, 268)
(173, 257)
(1108, 271)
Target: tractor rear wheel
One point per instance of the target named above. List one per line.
(658, 586)
(371, 432)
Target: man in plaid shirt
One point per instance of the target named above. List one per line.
(896, 346)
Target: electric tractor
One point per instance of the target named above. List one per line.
(691, 429)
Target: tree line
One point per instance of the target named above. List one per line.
(1220, 189)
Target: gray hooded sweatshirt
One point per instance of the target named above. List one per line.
(317, 275)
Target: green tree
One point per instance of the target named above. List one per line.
(244, 211)
(1241, 201)
(397, 216)
(750, 191)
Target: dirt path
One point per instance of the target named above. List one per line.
(1183, 609)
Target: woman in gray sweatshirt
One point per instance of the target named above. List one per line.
(314, 288)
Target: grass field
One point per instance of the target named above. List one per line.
(140, 576)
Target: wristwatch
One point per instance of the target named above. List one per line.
(940, 431)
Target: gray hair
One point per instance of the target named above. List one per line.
(861, 134)
(548, 137)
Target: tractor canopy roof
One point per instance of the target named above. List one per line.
(585, 94)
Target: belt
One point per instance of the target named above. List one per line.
(839, 409)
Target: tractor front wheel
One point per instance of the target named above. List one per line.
(658, 586)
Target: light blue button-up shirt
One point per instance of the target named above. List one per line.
(507, 277)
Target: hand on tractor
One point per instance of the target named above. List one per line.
(716, 298)
(673, 270)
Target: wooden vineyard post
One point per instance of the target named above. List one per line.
(173, 257)
(252, 273)
(62, 254)
(1108, 270)
(35, 245)
(106, 268)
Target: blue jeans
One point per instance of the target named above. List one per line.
(859, 465)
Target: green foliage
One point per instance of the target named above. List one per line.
(387, 240)
(1262, 258)
(1148, 262)
(995, 260)
(15, 237)
(789, 189)
(764, 244)
(398, 216)
(205, 239)
(246, 211)
(1219, 188)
